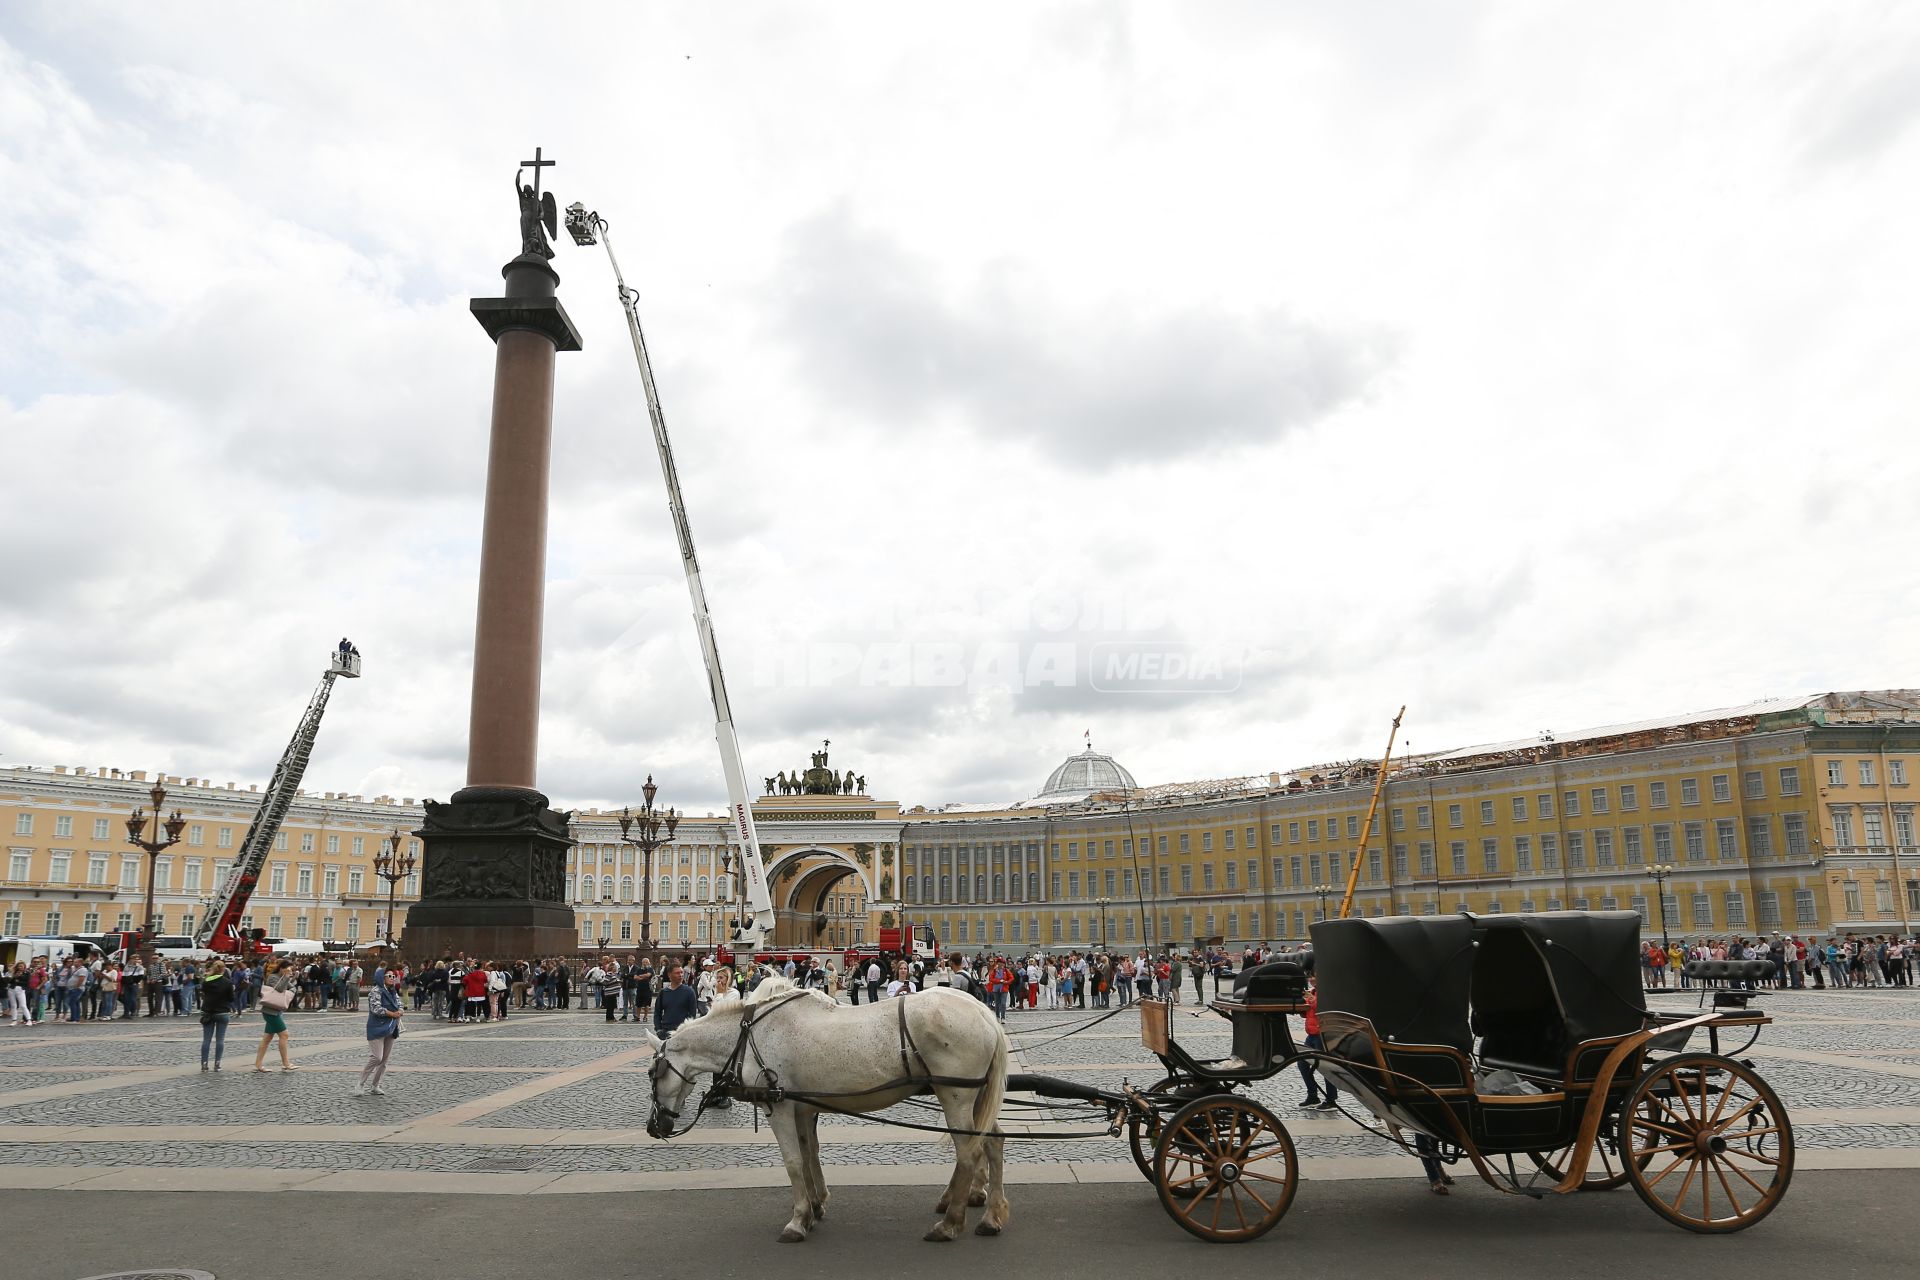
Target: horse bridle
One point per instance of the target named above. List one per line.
(727, 1082)
(655, 1075)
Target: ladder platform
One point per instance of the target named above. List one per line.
(345, 664)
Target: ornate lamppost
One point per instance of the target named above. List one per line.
(1660, 871)
(136, 827)
(655, 827)
(1323, 892)
(1102, 903)
(393, 867)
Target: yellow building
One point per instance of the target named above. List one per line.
(1790, 815)
(1782, 815)
(69, 868)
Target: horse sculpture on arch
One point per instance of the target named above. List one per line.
(795, 1052)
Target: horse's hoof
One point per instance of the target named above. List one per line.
(937, 1236)
(978, 1200)
(986, 1229)
(792, 1235)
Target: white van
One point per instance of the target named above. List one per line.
(17, 950)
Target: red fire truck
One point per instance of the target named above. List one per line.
(907, 942)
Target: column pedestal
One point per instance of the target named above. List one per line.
(495, 879)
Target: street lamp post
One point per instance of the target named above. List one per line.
(393, 867)
(1103, 921)
(1660, 871)
(655, 828)
(136, 827)
(1323, 892)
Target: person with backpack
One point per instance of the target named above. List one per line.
(216, 1011)
(497, 990)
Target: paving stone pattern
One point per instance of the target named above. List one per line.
(454, 1065)
(238, 1097)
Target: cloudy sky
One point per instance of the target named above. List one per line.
(1534, 365)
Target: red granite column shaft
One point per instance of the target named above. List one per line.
(504, 731)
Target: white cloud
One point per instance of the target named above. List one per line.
(1635, 439)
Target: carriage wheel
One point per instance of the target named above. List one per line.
(1606, 1171)
(1239, 1155)
(1706, 1143)
(1143, 1135)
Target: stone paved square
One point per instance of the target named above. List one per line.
(563, 1095)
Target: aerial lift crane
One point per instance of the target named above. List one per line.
(755, 925)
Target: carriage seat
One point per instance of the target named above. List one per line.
(1276, 980)
(1529, 1042)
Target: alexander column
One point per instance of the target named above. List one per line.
(493, 882)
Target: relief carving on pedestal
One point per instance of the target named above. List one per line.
(473, 874)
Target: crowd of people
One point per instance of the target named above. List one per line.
(1864, 960)
(101, 989)
(460, 989)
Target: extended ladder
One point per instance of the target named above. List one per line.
(219, 927)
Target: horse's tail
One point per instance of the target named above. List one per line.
(986, 1107)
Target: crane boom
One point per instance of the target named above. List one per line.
(756, 924)
(221, 914)
(1373, 808)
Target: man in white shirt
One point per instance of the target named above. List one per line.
(873, 981)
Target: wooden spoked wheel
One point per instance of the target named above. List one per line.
(1239, 1156)
(1606, 1171)
(1706, 1143)
(1143, 1134)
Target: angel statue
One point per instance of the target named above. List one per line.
(539, 218)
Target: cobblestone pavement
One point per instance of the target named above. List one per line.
(561, 1097)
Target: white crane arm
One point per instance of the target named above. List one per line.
(756, 926)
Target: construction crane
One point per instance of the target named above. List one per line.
(755, 924)
(220, 915)
(1373, 808)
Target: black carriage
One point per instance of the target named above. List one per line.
(1518, 1044)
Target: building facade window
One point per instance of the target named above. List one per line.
(1727, 837)
(1696, 837)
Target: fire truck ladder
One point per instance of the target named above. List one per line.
(220, 915)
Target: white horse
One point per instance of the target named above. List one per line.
(860, 1059)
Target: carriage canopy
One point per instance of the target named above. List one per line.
(1409, 976)
(1582, 965)
(1535, 985)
